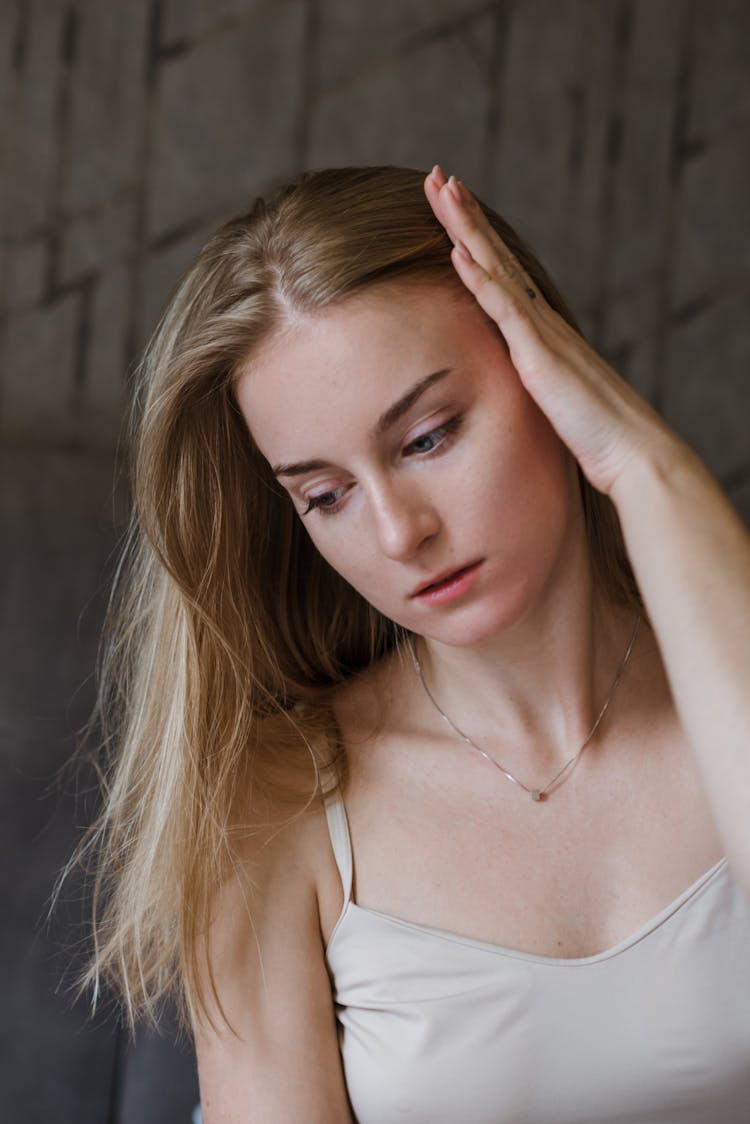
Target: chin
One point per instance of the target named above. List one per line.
(482, 622)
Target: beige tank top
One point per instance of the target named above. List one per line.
(436, 1028)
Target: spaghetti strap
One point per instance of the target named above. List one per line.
(338, 829)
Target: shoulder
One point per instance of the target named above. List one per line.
(279, 846)
(270, 1034)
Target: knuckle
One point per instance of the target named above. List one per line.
(488, 282)
(520, 312)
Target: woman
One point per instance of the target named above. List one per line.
(427, 804)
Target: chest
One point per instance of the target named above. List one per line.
(444, 840)
(434, 1028)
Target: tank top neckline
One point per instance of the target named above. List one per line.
(622, 946)
(338, 825)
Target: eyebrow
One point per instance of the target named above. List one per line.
(382, 425)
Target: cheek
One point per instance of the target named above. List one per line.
(528, 485)
(514, 444)
(343, 548)
(537, 445)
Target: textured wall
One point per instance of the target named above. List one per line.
(613, 133)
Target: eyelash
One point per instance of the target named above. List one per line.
(446, 432)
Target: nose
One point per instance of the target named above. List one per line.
(405, 519)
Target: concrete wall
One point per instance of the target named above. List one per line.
(613, 133)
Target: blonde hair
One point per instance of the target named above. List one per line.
(227, 630)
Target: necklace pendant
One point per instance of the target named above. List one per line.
(538, 795)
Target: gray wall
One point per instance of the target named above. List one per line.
(612, 133)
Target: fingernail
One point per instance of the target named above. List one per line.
(461, 250)
(454, 189)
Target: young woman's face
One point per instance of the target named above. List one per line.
(421, 468)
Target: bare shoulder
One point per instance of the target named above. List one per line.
(271, 1040)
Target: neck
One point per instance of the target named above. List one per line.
(532, 695)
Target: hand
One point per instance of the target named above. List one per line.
(599, 416)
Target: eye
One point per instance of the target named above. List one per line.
(326, 503)
(428, 442)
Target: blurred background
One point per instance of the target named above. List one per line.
(614, 134)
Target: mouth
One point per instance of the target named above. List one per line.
(442, 581)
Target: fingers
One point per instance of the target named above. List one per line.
(432, 186)
(466, 223)
(480, 257)
(498, 300)
(481, 239)
(438, 175)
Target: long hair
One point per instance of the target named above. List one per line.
(227, 630)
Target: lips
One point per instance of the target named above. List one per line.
(443, 579)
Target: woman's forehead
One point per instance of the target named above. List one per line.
(385, 318)
(337, 372)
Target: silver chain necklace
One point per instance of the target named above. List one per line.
(537, 794)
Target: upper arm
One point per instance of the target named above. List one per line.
(280, 1060)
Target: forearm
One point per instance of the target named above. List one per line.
(691, 555)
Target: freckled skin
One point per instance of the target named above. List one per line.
(419, 500)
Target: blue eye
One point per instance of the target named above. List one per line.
(435, 440)
(425, 444)
(325, 503)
